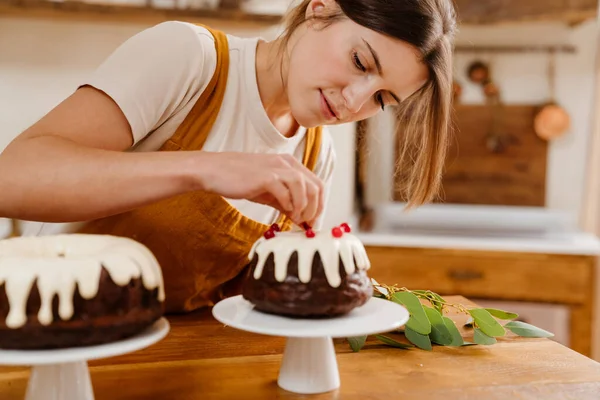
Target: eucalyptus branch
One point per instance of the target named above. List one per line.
(428, 325)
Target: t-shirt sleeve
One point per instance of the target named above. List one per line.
(156, 72)
(324, 170)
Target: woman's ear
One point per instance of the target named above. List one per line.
(318, 8)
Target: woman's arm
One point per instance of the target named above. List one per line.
(71, 166)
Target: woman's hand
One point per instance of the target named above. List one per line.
(277, 180)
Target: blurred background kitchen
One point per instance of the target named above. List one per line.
(517, 224)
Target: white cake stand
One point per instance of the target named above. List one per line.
(63, 374)
(309, 363)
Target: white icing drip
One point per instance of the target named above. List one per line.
(330, 249)
(60, 263)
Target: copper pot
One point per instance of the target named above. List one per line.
(552, 120)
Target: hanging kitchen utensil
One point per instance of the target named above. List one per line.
(478, 72)
(491, 90)
(496, 140)
(551, 121)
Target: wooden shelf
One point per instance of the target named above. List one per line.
(491, 12)
(76, 10)
(471, 12)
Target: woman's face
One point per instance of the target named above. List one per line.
(346, 72)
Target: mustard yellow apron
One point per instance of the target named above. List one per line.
(199, 239)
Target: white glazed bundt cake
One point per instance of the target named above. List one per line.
(308, 274)
(74, 290)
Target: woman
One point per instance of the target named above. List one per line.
(194, 143)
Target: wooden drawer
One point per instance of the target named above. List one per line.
(498, 275)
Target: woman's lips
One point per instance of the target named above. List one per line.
(326, 109)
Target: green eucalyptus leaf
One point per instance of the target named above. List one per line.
(457, 339)
(487, 323)
(439, 332)
(527, 330)
(428, 293)
(438, 297)
(419, 340)
(393, 343)
(440, 304)
(501, 313)
(481, 338)
(357, 343)
(418, 320)
(435, 299)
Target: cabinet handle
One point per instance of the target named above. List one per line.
(465, 275)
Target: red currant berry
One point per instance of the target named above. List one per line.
(346, 227)
(270, 234)
(310, 233)
(276, 228)
(337, 232)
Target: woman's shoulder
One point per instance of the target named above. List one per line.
(157, 72)
(187, 32)
(183, 39)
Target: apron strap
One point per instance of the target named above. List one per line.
(313, 147)
(195, 128)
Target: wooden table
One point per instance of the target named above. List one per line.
(202, 359)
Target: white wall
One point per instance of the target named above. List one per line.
(523, 80)
(41, 62)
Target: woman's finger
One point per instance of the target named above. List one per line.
(296, 184)
(281, 193)
(318, 199)
(312, 192)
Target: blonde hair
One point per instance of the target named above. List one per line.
(424, 118)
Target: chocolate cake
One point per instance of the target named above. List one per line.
(75, 290)
(307, 274)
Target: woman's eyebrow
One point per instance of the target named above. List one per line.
(375, 56)
(378, 65)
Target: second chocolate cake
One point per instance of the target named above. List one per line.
(308, 275)
(74, 290)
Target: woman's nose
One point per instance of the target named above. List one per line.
(357, 95)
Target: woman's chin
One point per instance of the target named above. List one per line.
(307, 120)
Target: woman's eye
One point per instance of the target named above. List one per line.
(358, 63)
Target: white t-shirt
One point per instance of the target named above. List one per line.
(157, 76)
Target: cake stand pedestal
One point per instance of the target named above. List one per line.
(309, 363)
(63, 374)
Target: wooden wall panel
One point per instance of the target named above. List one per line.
(514, 175)
(498, 11)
